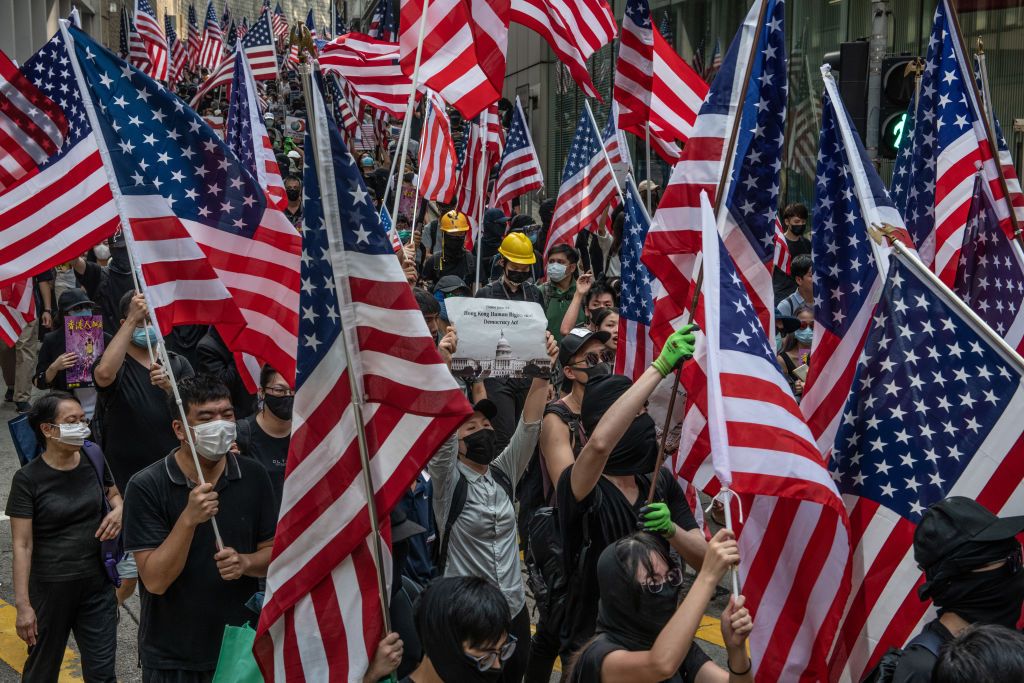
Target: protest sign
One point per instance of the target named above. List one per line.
(294, 125)
(83, 336)
(497, 338)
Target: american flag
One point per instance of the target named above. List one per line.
(258, 44)
(213, 40)
(990, 273)
(54, 215)
(437, 163)
(615, 140)
(209, 248)
(321, 617)
(243, 28)
(231, 39)
(137, 54)
(17, 309)
(936, 414)
(575, 29)
(461, 51)
(371, 69)
(484, 146)
(654, 86)
(698, 59)
(519, 171)
(195, 37)
(782, 259)
(32, 126)
(847, 264)
(179, 56)
(340, 28)
(932, 179)
(219, 77)
(280, 23)
(246, 134)
(635, 350)
(716, 62)
(225, 18)
(311, 23)
(802, 135)
(153, 37)
(343, 114)
(588, 186)
(794, 544)
(123, 22)
(750, 193)
(384, 22)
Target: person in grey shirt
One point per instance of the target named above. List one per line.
(480, 540)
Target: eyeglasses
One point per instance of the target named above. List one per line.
(595, 357)
(503, 654)
(674, 577)
(278, 391)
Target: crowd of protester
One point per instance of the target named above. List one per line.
(528, 538)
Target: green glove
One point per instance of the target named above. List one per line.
(678, 347)
(657, 519)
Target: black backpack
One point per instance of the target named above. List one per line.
(885, 670)
(458, 504)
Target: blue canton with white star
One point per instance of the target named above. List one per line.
(158, 145)
(50, 70)
(639, 12)
(842, 259)
(586, 144)
(741, 329)
(259, 35)
(943, 116)
(753, 197)
(362, 233)
(928, 391)
(636, 299)
(238, 126)
(989, 276)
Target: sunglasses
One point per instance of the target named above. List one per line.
(502, 654)
(595, 357)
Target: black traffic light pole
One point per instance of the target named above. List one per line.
(879, 44)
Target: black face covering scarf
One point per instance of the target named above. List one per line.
(637, 450)
(989, 597)
(628, 614)
(480, 446)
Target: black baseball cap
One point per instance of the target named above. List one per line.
(949, 538)
(402, 527)
(486, 408)
(787, 324)
(73, 298)
(449, 284)
(574, 341)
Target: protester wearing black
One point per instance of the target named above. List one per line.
(107, 285)
(215, 358)
(495, 223)
(265, 435)
(293, 190)
(463, 623)
(973, 575)
(417, 506)
(645, 634)
(133, 415)
(794, 220)
(57, 524)
(190, 590)
(450, 256)
(601, 497)
(982, 652)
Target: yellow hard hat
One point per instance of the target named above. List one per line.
(454, 221)
(517, 248)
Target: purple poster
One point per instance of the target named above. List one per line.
(83, 336)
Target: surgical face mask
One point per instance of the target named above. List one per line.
(557, 271)
(140, 335)
(778, 342)
(293, 193)
(517, 277)
(73, 434)
(213, 439)
(79, 312)
(804, 335)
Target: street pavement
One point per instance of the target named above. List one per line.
(13, 651)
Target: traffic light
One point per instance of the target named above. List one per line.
(851, 63)
(897, 92)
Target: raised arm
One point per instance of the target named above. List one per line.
(572, 314)
(112, 359)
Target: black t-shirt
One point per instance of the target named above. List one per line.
(609, 517)
(55, 345)
(525, 292)
(136, 418)
(182, 629)
(782, 282)
(66, 508)
(269, 451)
(588, 663)
(917, 661)
(107, 285)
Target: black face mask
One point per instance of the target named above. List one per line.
(119, 262)
(637, 450)
(480, 446)
(991, 597)
(630, 615)
(280, 406)
(453, 247)
(797, 229)
(595, 370)
(454, 666)
(293, 193)
(517, 277)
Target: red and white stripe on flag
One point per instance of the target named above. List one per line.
(483, 149)
(152, 34)
(32, 126)
(782, 259)
(574, 29)
(455, 61)
(212, 50)
(371, 69)
(220, 77)
(437, 162)
(17, 309)
(258, 44)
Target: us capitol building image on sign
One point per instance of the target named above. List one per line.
(503, 364)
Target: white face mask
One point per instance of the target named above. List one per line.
(557, 271)
(213, 439)
(73, 434)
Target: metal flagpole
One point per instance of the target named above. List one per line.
(403, 145)
(139, 279)
(332, 223)
(481, 185)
